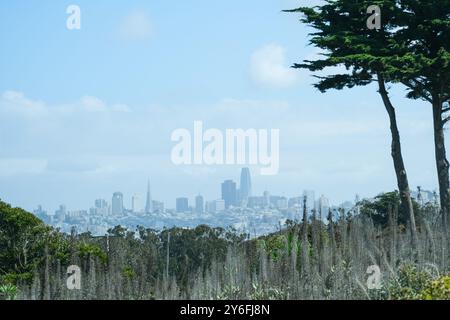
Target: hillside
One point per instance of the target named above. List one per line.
(312, 260)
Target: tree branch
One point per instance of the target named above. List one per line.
(412, 87)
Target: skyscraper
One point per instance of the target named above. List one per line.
(100, 204)
(136, 203)
(199, 204)
(61, 213)
(229, 193)
(157, 206)
(117, 203)
(219, 205)
(148, 203)
(245, 188)
(101, 207)
(215, 206)
(182, 204)
(323, 206)
(266, 196)
(309, 195)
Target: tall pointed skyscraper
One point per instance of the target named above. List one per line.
(148, 203)
(245, 188)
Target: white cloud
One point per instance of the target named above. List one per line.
(16, 102)
(136, 26)
(92, 104)
(268, 67)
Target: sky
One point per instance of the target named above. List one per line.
(85, 113)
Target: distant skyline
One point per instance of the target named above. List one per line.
(86, 113)
(228, 192)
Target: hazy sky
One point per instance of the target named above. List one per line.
(84, 113)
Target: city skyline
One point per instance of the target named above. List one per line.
(236, 208)
(119, 201)
(132, 198)
(256, 213)
(238, 198)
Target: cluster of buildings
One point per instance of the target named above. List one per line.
(232, 197)
(238, 207)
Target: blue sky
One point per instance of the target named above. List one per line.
(84, 113)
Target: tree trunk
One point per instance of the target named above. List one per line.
(442, 164)
(397, 157)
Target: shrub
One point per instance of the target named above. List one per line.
(87, 250)
(409, 284)
(438, 289)
(128, 272)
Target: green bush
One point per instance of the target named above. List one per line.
(128, 272)
(409, 283)
(87, 249)
(438, 289)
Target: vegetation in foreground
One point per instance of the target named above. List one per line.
(308, 259)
